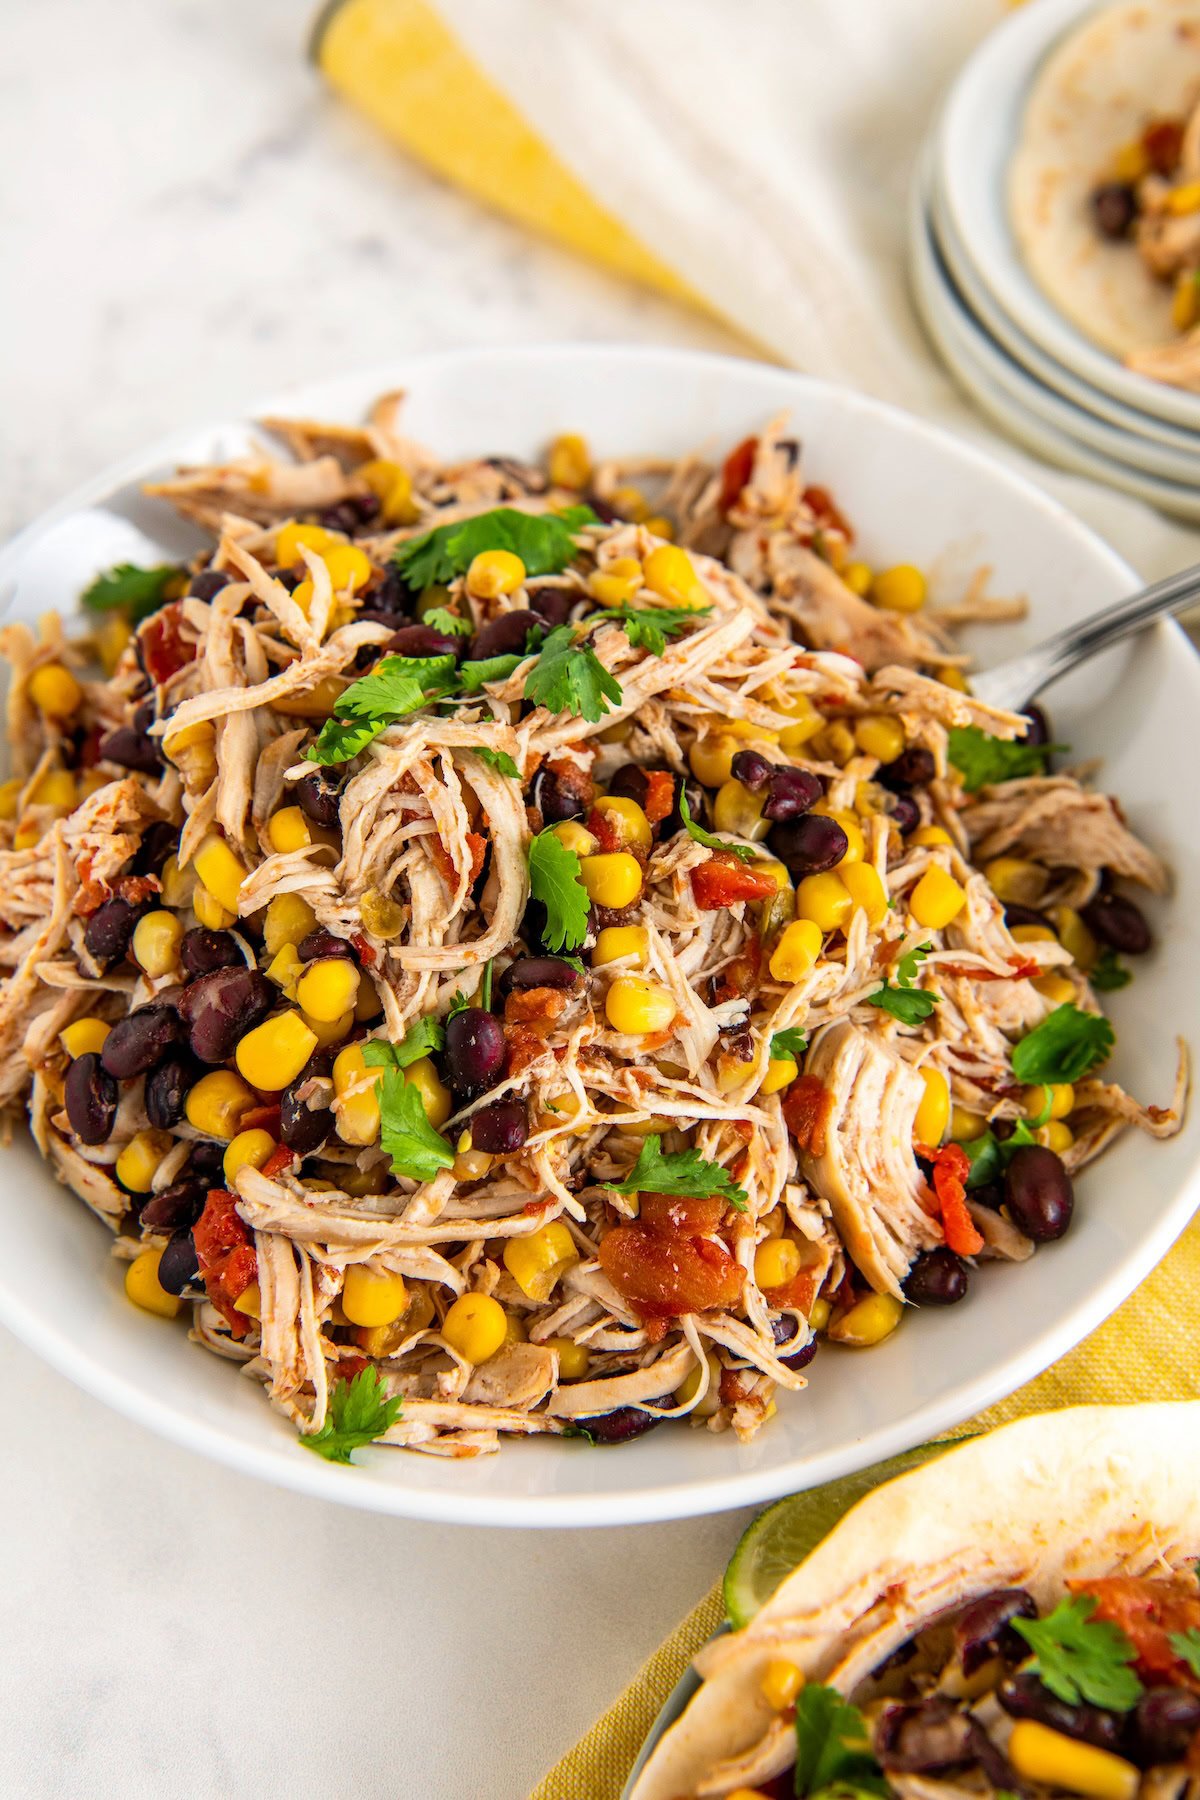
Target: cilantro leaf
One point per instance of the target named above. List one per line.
(139, 592)
(681, 1172)
(649, 628)
(579, 1431)
(499, 760)
(458, 1004)
(833, 1746)
(910, 962)
(472, 675)
(395, 687)
(416, 1149)
(708, 838)
(791, 1043)
(983, 760)
(1110, 972)
(543, 541)
(989, 1155)
(911, 1005)
(1079, 1657)
(442, 619)
(1186, 1645)
(359, 1412)
(340, 739)
(570, 678)
(1063, 1047)
(422, 1036)
(555, 880)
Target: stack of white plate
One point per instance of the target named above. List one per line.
(1021, 360)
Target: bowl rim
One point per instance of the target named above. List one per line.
(276, 1457)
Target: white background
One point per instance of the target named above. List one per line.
(188, 220)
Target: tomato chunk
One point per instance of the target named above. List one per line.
(666, 1213)
(736, 471)
(1149, 1611)
(723, 880)
(226, 1256)
(663, 1275)
(164, 648)
(806, 1109)
(660, 795)
(951, 1166)
(827, 511)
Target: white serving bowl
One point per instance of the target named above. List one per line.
(917, 495)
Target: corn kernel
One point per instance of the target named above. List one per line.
(26, 836)
(1054, 1760)
(435, 1097)
(285, 969)
(868, 1321)
(1032, 934)
(381, 916)
(576, 837)
(475, 1326)
(178, 885)
(928, 837)
(739, 811)
(470, 1164)
(612, 879)
(1055, 987)
(778, 872)
(329, 1031)
(392, 485)
(249, 1301)
(248, 1150)
(1185, 300)
(777, 1261)
(858, 577)
(616, 583)
(328, 988)
(798, 949)
(349, 568)
(1016, 881)
(781, 1682)
(221, 871)
(289, 919)
(572, 1357)
(368, 1006)
(84, 1037)
(627, 819)
(373, 1296)
(155, 942)
(111, 636)
(629, 503)
(568, 462)
(1059, 1094)
(899, 589)
(138, 1161)
(745, 1793)
(288, 830)
(819, 1314)
(953, 677)
(55, 691)
(826, 900)
(711, 758)
(965, 1125)
(289, 538)
(188, 737)
(1184, 199)
(1056, 1135)
(689, 1387)
(936, 899)
(143, 1287)
(515, 1331)
(91, 781)
(862, 882)
(493, 573)
(806, 722)
(209, 911)
(1075, 937)
(273, 1054)
(638, 1006)
(316, 702)
(356, 1104)
(1131, 161)
(616, 942)
(933, 1111)
(780, 1073)
(540, 1260)
(671, 573)
(58, 788)
(880, 735)
(10, 793)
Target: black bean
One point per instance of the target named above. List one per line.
(555, 798)
(1024, 1697)
(785, 1330)
(222, 1007)
(500, 1128)
(319, 796)
(1016, 914)
(905, 814)
(145, 716)
(752, 769)
(793, 792)
(205, 1162)
(503, 636)
(937, 1278)
(110, 929)
(91, 1099)
(475, 1054)
(178, 1263)
(423, 640)
(159, 841)
(984, 1628)
(930, 1737)
(989, 1193)
(621, 1425)
(321, 943)
(351, 514)
(201, 951)
(809, 845)
(630, 782)
(1118, 922)
(1164, 1725)
(167, 1089)
(132, 749)
(289, 578)
(538, 972)
(176, 1207)
(1114, 208)
(138, 1041)
(552, 605)
(913, 767)
(303, 1127)
(1038, 1193)
(1038, 729)
(207, 582)
(391, 598)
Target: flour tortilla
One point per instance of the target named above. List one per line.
(1059, 1496)
(1098, 89)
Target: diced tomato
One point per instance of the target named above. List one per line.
(226, 1256)
(133, 889)
(660, 795)
(827, 511)
(350, 1366)
(605, 830)
(534, 1006)
(1016, 971)
(736, 472)
(477, 845)
(951, 1166)
(1149, 1611)
(89, 750)
(663, 1275)
(667, 1213)
(280, 1161)
(262, 1118)
(164, 649)
(366, 951)
(739, 976)
(525, 1045)
(806, 1109)
(797, 1294)
(1162, 140)
(723, 880)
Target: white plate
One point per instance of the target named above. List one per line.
(978, 129)
(1023, 407)
(917, 495)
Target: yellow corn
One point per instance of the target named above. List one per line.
(569, 463)
(781, 1072)
(392, 485)
(575, 837)
(1055, 987)
(797, 950)
(381, 916)
(217, 1102)
(688, 1388)
(951, 677)
(638, 1006)
(289, 919)
(349, 568)
(111, 636)
(493, 573)
(27, 836)
(1033, 934)
(617, 942)
(221, 871)
(1185, 300)
(612, 879)
(1053, 1760)
(435, 1097)
(819, 1313)
(572, 1357)
(314, 537)
(1016, 881)
(138, 1162)
(330, 1031)
(91, 781)
(1074, 936)
(806, 722)
(178, 885)
(899, 589)
(617, 582)
(248, 1150)
(515, 1330)
(781, 1682)
(288, 830)
(868, 1321)
(368, 1006)
(745, 1793)
(825, 899)
(142, 1286)
(470, 1164)
(671, 573)
(475, 1326)
(862, 882)
(1131, 161)
(155, 943)
(249, 1301)
(84, 1036)
(776, 1261)
(768, 866)
(373, 1296)
(55, 691)
(285, 969)
(711, 758)
(537, 1262)
(740, 812)
(57, 788)
(658, 525)
(273, 1054)
(627, 820)
(188, 737)
(356, 1105)
(316, 702)
(629, 503)
(936, 899)
(1060, 1094)
(880, 735)
(1184, 199)
(10, 793)
(1056, 1135)
(929, 836)
(858, 577)
(328, 987)
(965, 1125)
(933, 1111)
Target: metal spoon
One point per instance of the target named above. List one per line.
(1015, 683)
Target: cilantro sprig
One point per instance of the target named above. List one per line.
(359, 1412)
(708, 838)
(648, 628)
(1186, 1645)
(833, 1748)
(545, 543)
(903, 999)
(1109, 973)
(556, 880)
(1079, 1657)
(499, 760)
(129, 589)
(422, 1037)
(442, 619)
(983, 760)
(568, 677)
(395, 687)
(1064, 1046)
(791, 1044)
(684, 1173)
(989, 1155)
(416, 1149)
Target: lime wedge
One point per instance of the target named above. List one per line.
(784, 1535)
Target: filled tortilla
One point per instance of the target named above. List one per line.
(1103, 194)
(1042, 1576)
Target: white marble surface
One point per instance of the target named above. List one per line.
(187, 221)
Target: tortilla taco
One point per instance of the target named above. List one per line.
(1019, 1616)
